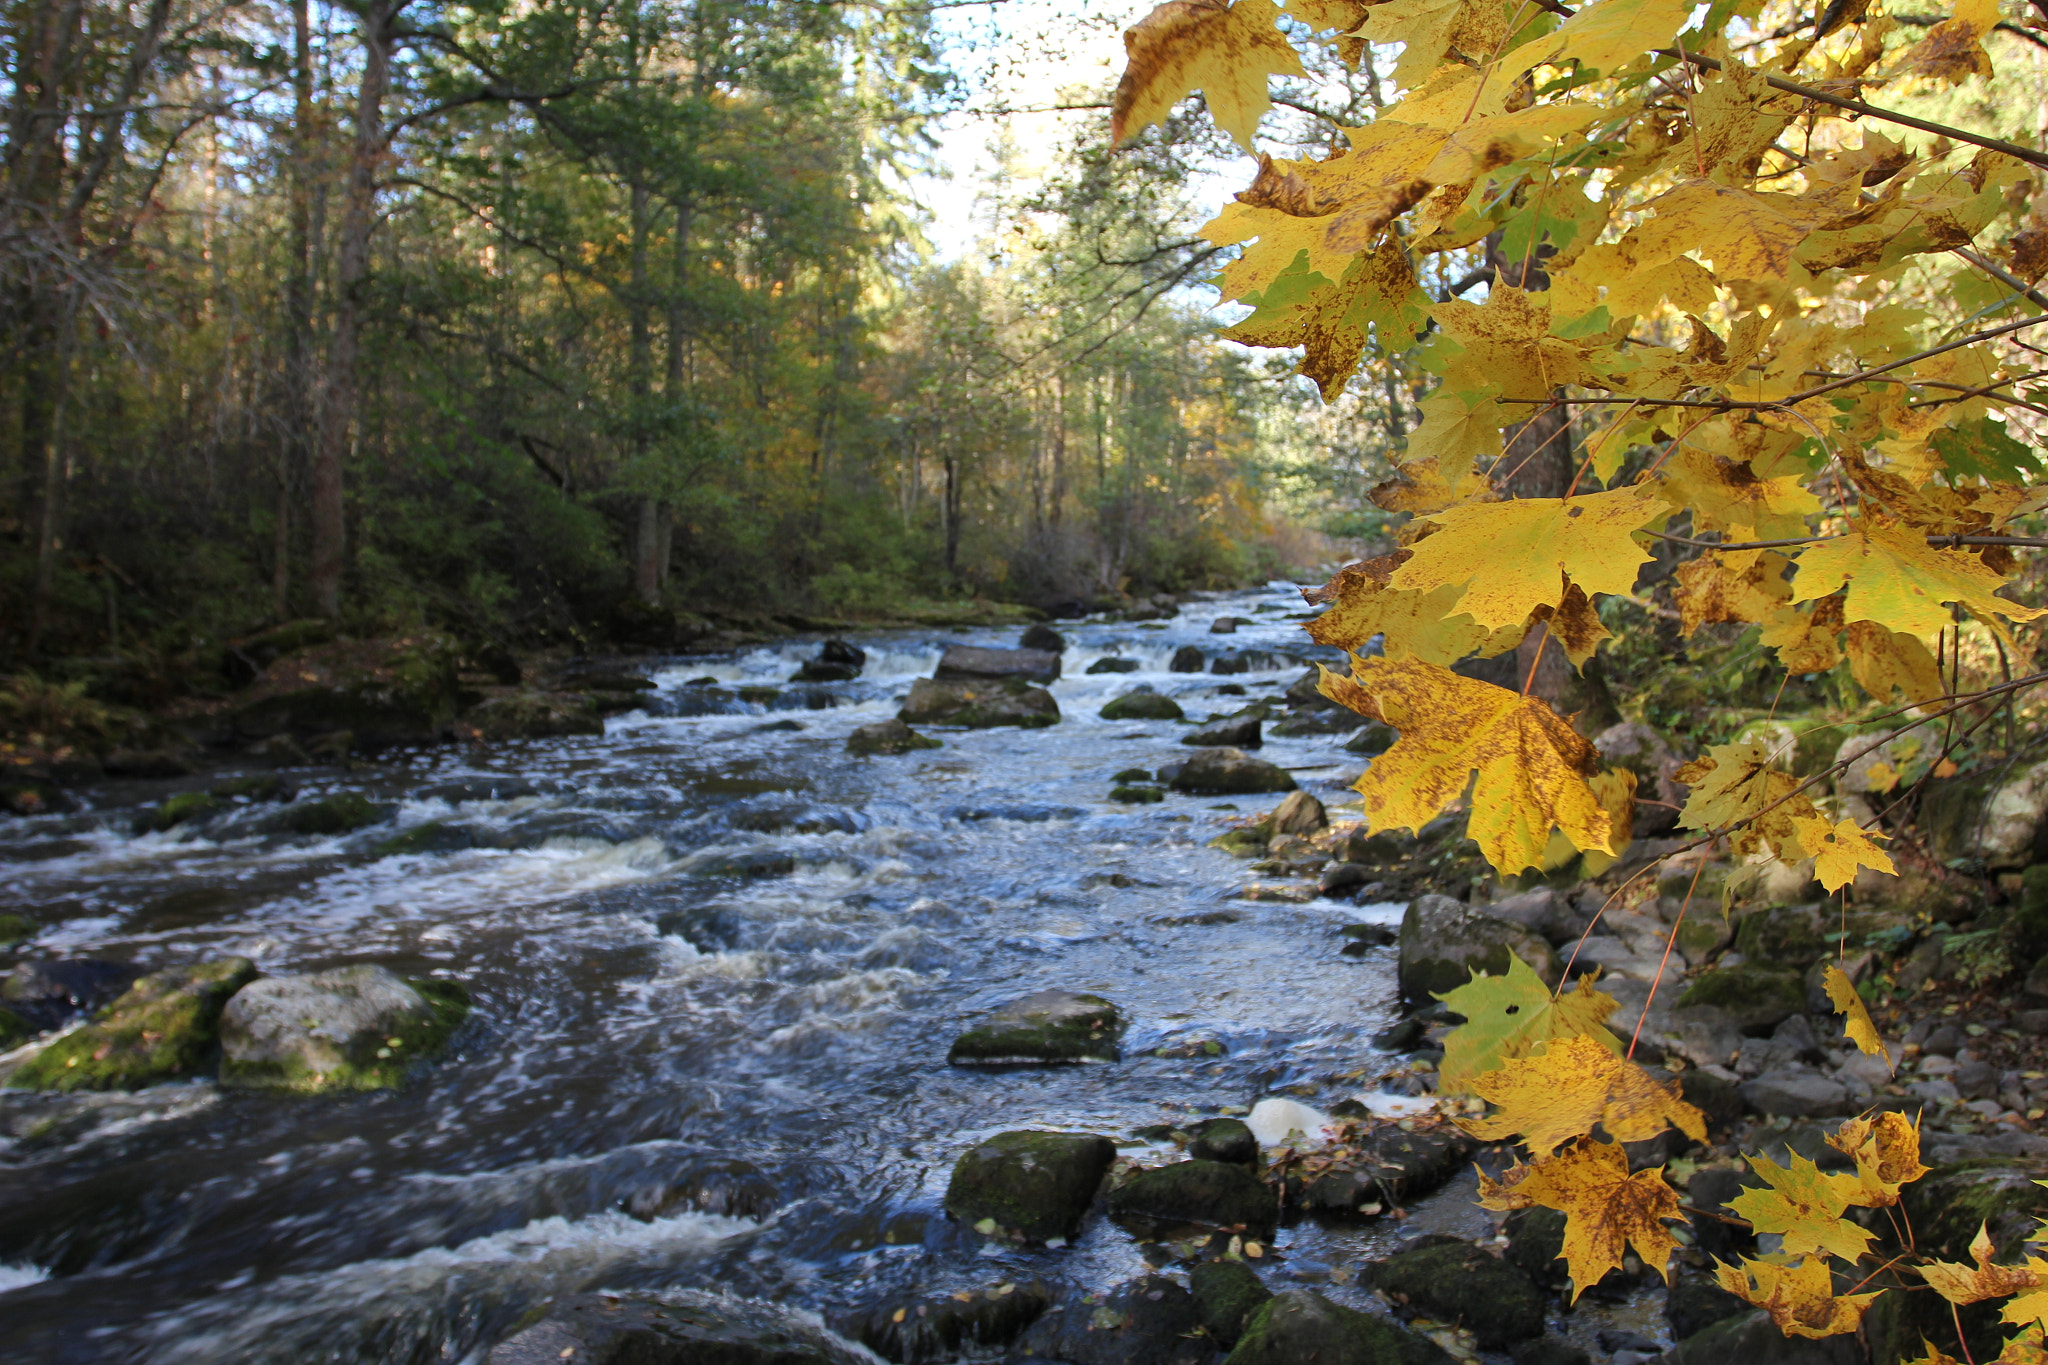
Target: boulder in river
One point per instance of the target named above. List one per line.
(1187, 659)
(1231, 772)
(533, 714)
(1147, 1321)
(1443, 941)
(674, 1327)
(341, 813)
(352, 1028)
(836, 661)
(1225, 1139)
(1299, 814)
(1142, 703)
(389, 691)
(1227, 625)
(178, 810)
(48, 994)
(1218, 1195)
(1300, 1325)
(970, 663)
(1114, 665)
(889, 737)
(1232, 732)
(1044, 1027)
(1467, 1286)
(1030, 1185)
(1043, 638)
(978, 705)
(162, 1028)
(946, 1327)
(1228, 1295)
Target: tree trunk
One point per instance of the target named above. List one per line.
(328, 518)
(56, 472)
(298, 377)
(952, 518)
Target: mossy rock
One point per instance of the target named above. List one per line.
(1700, 935)
(532, 714)
(1133, 775)
(1466, 1286)
(1756, 999)
(13, 1028)
(163, 1028)
(178, 810)
(16, 930)
(1299, 1326)
(353, 1028)
(1753, 1339)
(1223, 1195)
(1786, 934)
(1243, 843)
(1228, 1295)
(1035, 1186)
(2030, 917)
(979, 704)
(1137, 796)
(1048, 1027)
(390, 691)
(342, 813)
(252, 787)
(889, 737)
(1142, 706)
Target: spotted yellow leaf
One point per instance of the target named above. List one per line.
(1839, 849)
(1573, 1086)
(1414, 625)
(1886, 1150)
(1800, 1298)
(1856, 1022)
(1511, 1016)
(1804, 1206)
(1226, 50)
(1606, 1209)
(1898, 580)
(1967, 1284)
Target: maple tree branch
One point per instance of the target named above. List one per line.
(2003, 276)
(1954, 542)
(1992, 144)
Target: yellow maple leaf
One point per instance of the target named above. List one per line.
(1331, 323)
(1962, 1284)
(1509, 555)
(1511, 1016)
(1455, 434)
(1805, 1207)
(1806, 641)
(1856, 1023)
(1507, 344)
(1800, 1298)
(1727, 495)
(1532, 766)
(1739, 787)
(1226, 50)
(1747, 234)
(1414, 625)
(2029, 1347)
(1898, 580)
(1571, 1087)
(1606, 1209)
(1421, 488)
(1430, 29)
(1839, 849)
(1883, 660)
(1953, 49)
(1710, 590)
(1574, 625)
(1340, 16)
(1604, 36)
(1616, 790)
(1886, 1149)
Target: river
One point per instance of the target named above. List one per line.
(695, 939)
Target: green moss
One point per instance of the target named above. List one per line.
(1075, 1028)
(379, 1064)
(1754, 997)
(1137, 796)
(1789, 934)
(337, 814)
(1026, 1184)
(1241, 843)
(1142, 706)
(1133, 775)
(974, 718)
(255, 787)
(183, 807)
(164, 1028)
(435, 836)
(1228, 1295)
(13, 1028)
(16, 930)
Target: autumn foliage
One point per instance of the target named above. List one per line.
(1699, 231)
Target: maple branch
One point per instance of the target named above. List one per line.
(1954, 542)
(2003, 276)
(1992, 144)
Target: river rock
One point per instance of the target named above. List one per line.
(16, 930)
(1142, 703)
(341, 813)
(674, 1327)
(1443, 941)
(1044, 1027)
(1695, 1302)
(1228, 1295)
(390, 691)
(926, 1331)
(1227, 625)
(970, 663)
(178, 810)
(1783, 935)
(978, 705)
(1797, 1094)
(1237, 732)
(352, 1028)
(1231, 772)
(532, 714)
(888, 737)
(1754, 999)
(1030, 1185)
(1225, 1140)
(1114, 665)
(1195, 1194)
(726, 1186)
(1149, 1321)
(1043, 638)
(1299, 1326)
(2001, 826)
(162, 1028)
(49, 994)
(1753, 1339)
(1299, 814)
(1186, 659)
(836, 661)
(1467, 1286)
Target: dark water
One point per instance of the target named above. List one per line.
(644, 1006)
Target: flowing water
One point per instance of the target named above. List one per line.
(709, 934)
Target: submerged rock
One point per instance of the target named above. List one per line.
(1044, 1027)
(1043, 638)
(1467, 1286)
(1031, 1185)
(1444, 941)
(1187, 659)
(675, 1327)
(48, 994)
(1215, 1195)
(1148, 1321)
(925, 1331)
(1231, 772)
(162, 1028)
(889, 737)
(1114, 665)
(978, 705)
(353, 1028)
(342, 813)
(729, 1188)
(1142, 703)
(1299, 1326)
(970, 663)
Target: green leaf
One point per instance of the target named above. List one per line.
(1981, 449)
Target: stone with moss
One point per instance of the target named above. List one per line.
(352, 1028)
(1030, 1185)
(1756, 999)
(889, 737)
(178, 810)
(253, 787)
(1300, 1325)
(1167, 1201)
(1228, 1295)
(1136, 796)
(401, 690)
(1045, 1028)
(13, 1029)
(1444, 941)
(1231, 772)
(533, 714)
(165, 1027)
(979, 704)
(1792, 935)
(341, 813)
(1466, 1286)
(16, 930)
(1142, 705)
